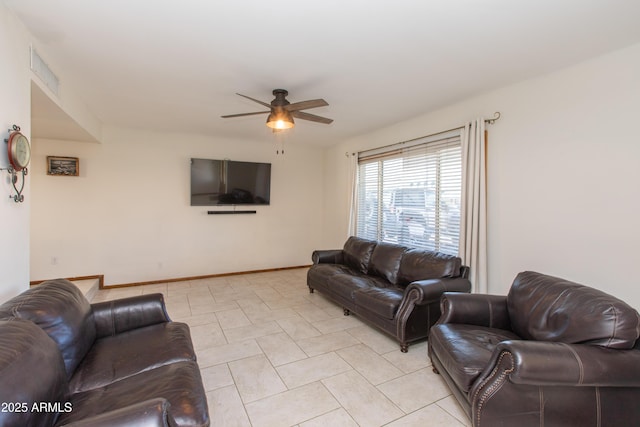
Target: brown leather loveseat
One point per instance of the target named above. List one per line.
(392, 287)
(66, 362)
(550, 353)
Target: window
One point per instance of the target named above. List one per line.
(411, 195)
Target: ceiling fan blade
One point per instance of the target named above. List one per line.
(312, 117)
(303, 105)
(244, 114)
(254, 100)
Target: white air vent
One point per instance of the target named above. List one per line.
(42, 70)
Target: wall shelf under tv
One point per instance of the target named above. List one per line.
(230, 212)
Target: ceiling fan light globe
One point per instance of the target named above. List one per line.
(280, 121)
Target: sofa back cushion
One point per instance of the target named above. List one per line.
(385, 261)
(60, 309)
(31, 373)
(357, 253)
(546, 308)
(421, 264)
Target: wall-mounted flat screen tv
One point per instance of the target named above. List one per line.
(227, 182)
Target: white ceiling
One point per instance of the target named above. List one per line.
(176, 65)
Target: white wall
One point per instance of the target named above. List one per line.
(127, 215)
(563, 179)
(14, 109)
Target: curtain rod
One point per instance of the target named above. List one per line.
(496, 116)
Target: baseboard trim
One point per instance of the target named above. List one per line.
(99, 277)
(207, 276)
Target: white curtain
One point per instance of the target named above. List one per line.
(353, 197)
(473, 215)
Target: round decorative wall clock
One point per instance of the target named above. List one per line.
(19, 154)
(19, 150)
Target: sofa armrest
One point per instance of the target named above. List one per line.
(328, 256)
(549, 383)
(150, 413)
(475, 309)
(544, 363)
(431, 290)
(125, 314)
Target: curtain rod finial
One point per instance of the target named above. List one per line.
(496, 116)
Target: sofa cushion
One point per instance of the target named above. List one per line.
(547, 308)
(382, 301)
(420, 264)
(31, 372)
(385, 261)
(322, 273)
(465, 350)
(357, 253)
(62, 311)
(344, 285)
(180, 383)
(130, 353)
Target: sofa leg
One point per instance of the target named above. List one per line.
(311, 290)
(404, 348)
(346, 311)
(435, 371)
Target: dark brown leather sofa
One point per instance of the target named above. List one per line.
(65, 362)
(392, 287)
(550, 353)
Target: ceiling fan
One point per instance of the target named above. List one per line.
(281, 111)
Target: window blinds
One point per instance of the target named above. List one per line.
(409, 194)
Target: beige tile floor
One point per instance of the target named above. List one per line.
(272, 354)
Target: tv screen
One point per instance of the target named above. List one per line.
(227, 182)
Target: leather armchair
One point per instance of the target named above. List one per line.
(550, 353)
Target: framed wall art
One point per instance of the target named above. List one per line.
(63, 166)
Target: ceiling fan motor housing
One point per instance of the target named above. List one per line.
(280, 100)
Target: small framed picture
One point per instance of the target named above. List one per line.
(66, 166)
